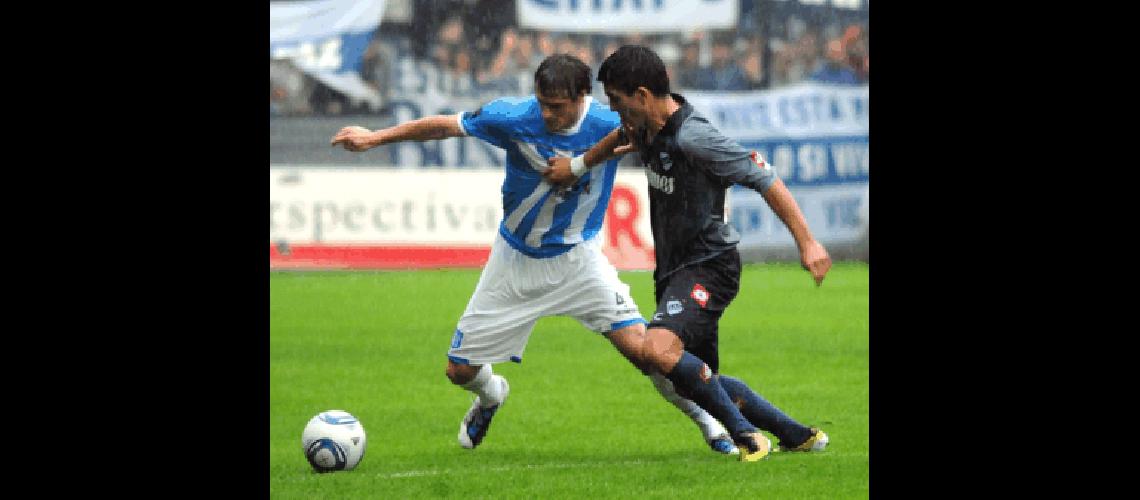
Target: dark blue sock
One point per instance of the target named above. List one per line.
(762, 414)
(694, 380)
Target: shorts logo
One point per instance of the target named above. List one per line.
(657, 317)
(620, 300)
(666, 162)
(706, 373)
(457, 339)
(673, 307)
(700, 295)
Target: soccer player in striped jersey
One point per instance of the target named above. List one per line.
(546, 259)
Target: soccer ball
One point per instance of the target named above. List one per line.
(333, 440)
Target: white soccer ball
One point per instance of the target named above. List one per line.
(333, 440)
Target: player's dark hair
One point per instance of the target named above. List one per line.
(633, 66)
(563, 75)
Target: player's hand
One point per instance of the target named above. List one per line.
(628, 146)
(353, 138)
(559, 171)
(814, 259)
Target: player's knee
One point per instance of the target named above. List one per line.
(629, 342)
(460, 374)
(661, 350)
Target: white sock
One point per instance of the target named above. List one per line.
(710, 427)
(487, 385)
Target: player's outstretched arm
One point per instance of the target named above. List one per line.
(565, 170)
(813, 256)
(428, 128)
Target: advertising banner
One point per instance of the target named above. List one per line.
(382, 218)
(629, 16)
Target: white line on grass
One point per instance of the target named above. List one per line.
(502, 468)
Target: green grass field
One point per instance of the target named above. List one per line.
(580, 421)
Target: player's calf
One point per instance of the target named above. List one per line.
(630, 342)
(460, 374)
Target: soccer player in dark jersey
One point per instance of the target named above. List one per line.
(689, 166)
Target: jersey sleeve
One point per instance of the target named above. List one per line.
(723, 157)
(492, 122)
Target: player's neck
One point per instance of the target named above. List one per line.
(660, 109)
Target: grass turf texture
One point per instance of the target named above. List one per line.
(580, 420)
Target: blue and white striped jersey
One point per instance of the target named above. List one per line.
(538, 220)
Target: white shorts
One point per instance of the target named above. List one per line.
(515, 290)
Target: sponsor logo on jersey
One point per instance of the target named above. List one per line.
(659, 182)
(700, 295)
(760, 163)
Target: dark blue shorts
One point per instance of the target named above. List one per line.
(691, 301)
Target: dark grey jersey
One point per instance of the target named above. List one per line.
(690, 165)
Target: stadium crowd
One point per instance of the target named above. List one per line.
(465, 57)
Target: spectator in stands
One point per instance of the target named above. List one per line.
(611, 44)
(328, 101)
(565, 44)
(376, 67)
(526, 56)
(545, 42)
(458, 78)
(276, 95)
(294, 88)
(834, 68)
(855, 44)
(500, 75)
(798, 58)
(753, 64)
(724, 73)
(689, 67)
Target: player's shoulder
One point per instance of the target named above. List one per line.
(695, 130)
(509, 107)
(600, 117)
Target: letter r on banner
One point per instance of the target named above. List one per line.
(621, 216)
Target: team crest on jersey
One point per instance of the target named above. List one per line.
(666, 162)
(700, 295)
(760, 163)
